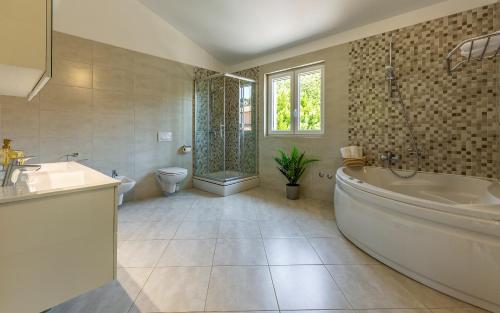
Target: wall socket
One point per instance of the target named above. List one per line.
(165, 136)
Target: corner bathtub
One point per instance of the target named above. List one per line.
(441, 230)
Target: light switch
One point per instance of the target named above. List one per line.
(164, 136)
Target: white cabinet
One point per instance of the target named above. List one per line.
(57, 240)
(26, 46)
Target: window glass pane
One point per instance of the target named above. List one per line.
(282, 98)
(246, 107)
(310, 100)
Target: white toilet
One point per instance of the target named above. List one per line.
(169, 178)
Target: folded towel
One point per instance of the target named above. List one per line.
(356, 152)
(352, 152)
(345, 152)
(478, 47)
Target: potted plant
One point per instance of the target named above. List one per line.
(292, 167)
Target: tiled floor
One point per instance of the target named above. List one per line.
(254, 251)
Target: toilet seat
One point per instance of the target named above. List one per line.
(172, 171)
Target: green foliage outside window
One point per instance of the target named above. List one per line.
(310, 101)
(283, 96)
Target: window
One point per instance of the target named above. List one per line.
(246, 107)
(295, 101)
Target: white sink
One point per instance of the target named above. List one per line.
(48, 179)
(126, 184)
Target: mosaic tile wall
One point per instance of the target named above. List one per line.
(240, 150)
(455, 117)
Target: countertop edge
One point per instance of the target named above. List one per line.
(54, 193)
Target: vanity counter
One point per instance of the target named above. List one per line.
(55, 178)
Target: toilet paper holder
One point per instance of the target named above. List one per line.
(186, 149)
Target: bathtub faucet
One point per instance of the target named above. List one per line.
(388, 156)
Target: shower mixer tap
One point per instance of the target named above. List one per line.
(388, 156)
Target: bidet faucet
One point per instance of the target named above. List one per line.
(15, 164)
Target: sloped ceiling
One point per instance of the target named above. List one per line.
(129, 24)
(238, 30)
(228, 35)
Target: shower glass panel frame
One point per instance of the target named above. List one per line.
(225, 121)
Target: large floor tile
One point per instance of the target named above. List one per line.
(128, 230)
(162, 229)
(322, 311)
(203, 214)
(115, 297)
(174, 289)
(239, 229)
(140, 253)
(170, 214)
(198, 230)
(470, 309)
(396, 311)
(340, 251)
(290, 251)
(278, 213)
(188, 253)
(280, 229)
(236, 212)
(136, 212)
(319, 227)
(372, 287)
(306, 287)
(429, 297)
(240, 288)
(240, 252)
(177, 202)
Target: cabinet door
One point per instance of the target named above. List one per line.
(26, 38)
(55, 248)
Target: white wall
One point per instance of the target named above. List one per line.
(129, 24)
(438, 10)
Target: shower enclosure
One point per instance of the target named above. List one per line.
(225, 152)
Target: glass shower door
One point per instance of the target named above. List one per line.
(225, 128)
(247, 133)
(217, 133)
(232, 129)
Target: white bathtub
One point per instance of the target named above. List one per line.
(441, 230)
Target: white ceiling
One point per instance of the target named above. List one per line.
(235, 31)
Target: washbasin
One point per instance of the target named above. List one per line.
(48, 179)
(126, 184)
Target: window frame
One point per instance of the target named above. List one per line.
(271, 120)
(294, 73)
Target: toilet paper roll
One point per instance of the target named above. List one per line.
(186, 149)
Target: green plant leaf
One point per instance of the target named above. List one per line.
(292, 166)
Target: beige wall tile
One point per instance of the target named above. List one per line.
(71, 73)
(65, 98)
(109, 153)
(119, 125)
(107, 55)
(112, 78)
(19, 117)
(54, 149)
(90, 107)
(324, 147)
(65, 124)
(110, 101)
(71, 48)
(150, 83)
